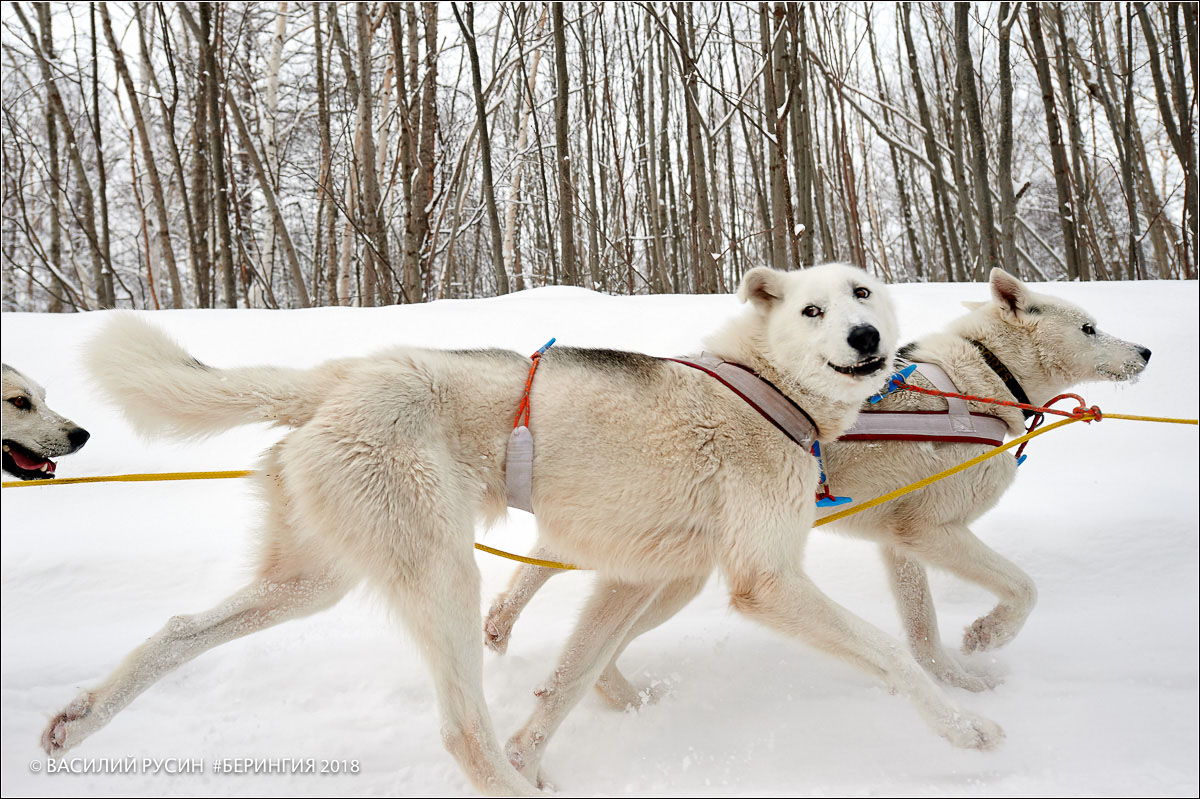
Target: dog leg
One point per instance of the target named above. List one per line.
(955, 548)
(612, 684)
(259, 605)
(609, 615)
(786, 600)
(440, 607)
(911, 590)
(507, 607)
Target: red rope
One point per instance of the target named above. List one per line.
(1082, 411)
(523, 408)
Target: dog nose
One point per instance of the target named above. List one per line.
(1145, 353)
(864, 338)
(78, 437)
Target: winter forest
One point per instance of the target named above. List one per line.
(285, 155)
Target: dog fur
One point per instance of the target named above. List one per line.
(648, 471)
(1045, 342)
(33, 433)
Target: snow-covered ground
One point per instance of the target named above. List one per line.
(1099, 694)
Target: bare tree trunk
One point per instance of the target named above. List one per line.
(418, 221)
(1058, 154)
(1083, 219)
(774, 92)
(485, 144)
(802, 117)
(966, 86)
(268, 122)
(101, 276)
(596, 281)
(512, 260)
(566, 187)
(166, 251)
(947, 238)
(327, 206)
(372, 200)
(1179, 129)
(216, 149)
(1008, 201)
(55, 284)
(906, 212)
(168, 113)
(705, 265)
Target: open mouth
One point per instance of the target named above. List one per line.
(866, 367)
(22, 463)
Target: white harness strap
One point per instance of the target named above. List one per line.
(956, 424)
(518, 469)
(759, 394)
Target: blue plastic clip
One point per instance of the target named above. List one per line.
(1021, 459)
(825, 499)
(894, 382)
(547, 346)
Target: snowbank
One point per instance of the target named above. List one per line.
(1099, 694)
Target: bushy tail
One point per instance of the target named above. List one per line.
(165, 391)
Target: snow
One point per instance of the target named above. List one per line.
(1100, 688)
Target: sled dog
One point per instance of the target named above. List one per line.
(33, 433)
(1047, 345)
(648, 471)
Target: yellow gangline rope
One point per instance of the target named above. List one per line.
(149, 477)
(553, 564)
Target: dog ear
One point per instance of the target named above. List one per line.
(973, 306)
(761, 286)
(1008, 291)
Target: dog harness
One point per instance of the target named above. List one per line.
(955, 424)
(774, 406)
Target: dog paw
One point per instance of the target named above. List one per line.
(498, 627)
(969, 731)
(523, 753)
(987, 633)
(946, 669)
(64, 730)
(620, 694)
(543, 783)
(495, 638)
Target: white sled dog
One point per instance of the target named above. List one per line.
(33, 433)
(649, 471)
(1047, 345)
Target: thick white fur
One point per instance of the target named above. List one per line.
(648, 471)
(1042, 340)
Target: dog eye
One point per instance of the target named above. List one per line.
(19, 402)
(1088, 329)
(862, 293)
(812, 311)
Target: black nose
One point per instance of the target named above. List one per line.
(78, 437)
(1145, 353)
(864, 338)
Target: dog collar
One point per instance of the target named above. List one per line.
(1004, 374)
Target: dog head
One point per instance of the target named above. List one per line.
(832, 328)
(1048, 339)
(33, 434)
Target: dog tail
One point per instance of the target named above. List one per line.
(165, 391)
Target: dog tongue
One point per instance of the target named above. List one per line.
(30, 464)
